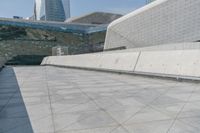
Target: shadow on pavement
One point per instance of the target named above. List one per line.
(13, 114)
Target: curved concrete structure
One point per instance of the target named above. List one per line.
(161, 22)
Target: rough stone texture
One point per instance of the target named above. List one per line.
(50, 99)
(161, 22)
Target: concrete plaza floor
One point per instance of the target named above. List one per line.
(44, 99)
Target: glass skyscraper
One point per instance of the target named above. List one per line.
(52, 10)
(39, 9)
(66, 6)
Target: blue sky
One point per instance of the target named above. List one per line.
(24, 8)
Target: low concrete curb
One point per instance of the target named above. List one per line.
(179, 64)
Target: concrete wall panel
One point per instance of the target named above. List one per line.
(110, 61)
(180, 62)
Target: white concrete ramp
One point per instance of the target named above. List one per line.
(171, 63)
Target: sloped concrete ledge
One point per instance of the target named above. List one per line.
(107, 61)
(178, 64)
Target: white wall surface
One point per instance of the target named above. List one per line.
(110, 61)
(161, 22)
(178, 63)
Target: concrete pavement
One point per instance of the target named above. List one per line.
(45, 99)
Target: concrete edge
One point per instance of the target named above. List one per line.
(178, 78)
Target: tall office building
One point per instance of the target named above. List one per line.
(52, 10)
(66, 6)
(39, 10)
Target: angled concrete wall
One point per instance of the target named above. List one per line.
(101, 61)
(180, 62)
(161, 22)
(170, 63)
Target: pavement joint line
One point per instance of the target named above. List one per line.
(50, 104)
(13, 94)
(161, 111)
(24, 123)
(101, 127)
(185, 89)
(75, 84)
(9, 101)
(181, 121)
(75, 107)
(142, 108)
(138, 57)
(104, 110)
(176, 118)
(72, 123)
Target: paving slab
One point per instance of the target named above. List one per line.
(47, 99)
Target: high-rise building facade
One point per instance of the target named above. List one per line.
(66, 6)
(39, 9)
(52, 10)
